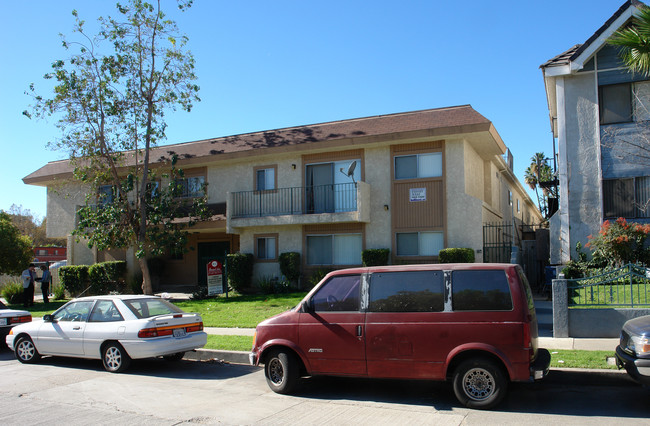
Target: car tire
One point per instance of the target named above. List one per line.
(281, 371)
(25, 350)
(174, 357)
(479, 383)
(115, 358)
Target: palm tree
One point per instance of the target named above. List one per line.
(634, 41)
(538, 171)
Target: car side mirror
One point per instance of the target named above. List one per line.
(48, 318)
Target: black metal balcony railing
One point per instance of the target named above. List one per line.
(294, 201)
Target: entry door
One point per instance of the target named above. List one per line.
(320, 188)
(207, 252)
(332, 334)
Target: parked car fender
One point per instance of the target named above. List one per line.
(276, 343)
(460, 352)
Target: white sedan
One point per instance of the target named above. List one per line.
(114, 329)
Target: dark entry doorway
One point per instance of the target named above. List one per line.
(207, 252)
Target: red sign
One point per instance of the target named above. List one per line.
(215, 277)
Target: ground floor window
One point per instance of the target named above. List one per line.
(628, 197)
(336, 249)
(419, 243)
(266, 247)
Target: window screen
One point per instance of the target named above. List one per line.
(340, 293)
(618, 198)
(615, 103)
(418, 291)
(486, 290)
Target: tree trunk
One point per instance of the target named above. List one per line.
(146, 277)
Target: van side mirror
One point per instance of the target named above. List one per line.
(48, 318)
(307, 307)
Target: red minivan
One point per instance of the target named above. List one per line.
(472, 324)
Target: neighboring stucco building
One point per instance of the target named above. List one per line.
(413, 182)
(598, 112)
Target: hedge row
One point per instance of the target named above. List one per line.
(100, 278)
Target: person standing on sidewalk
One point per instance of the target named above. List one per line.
(46, 280)
(28, 285)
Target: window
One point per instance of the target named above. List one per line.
(42, 252)
(418, 291)
(337, 249)
(518, 206)
(265, 179)
(418, 166)
(74, 311)
(486, 290)
(266, 247)
(340, 293)
(153, 190)
(190, 187)
(629, 198)
(105, 195)
(105, 311)
(419, 243)
(146, 308)
(615, 102)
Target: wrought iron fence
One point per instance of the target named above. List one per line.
(498, 240)
(628, 286)
(332, 198)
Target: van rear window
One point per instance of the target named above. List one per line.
(417, 291)
(476, 290)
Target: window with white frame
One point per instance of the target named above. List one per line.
(335, 249)
(418, 166)
(265, 179)
(266, 247)
(425, 243)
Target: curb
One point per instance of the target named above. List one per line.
(233, 357)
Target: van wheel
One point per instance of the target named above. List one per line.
(281, 371)
(479, 383)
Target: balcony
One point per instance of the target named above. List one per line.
(335, 203)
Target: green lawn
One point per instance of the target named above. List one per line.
(230, 343)
(581, 359)
(610, 294)
(240, 311)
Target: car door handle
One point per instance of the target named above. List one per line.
(359, 331)
(76, 328)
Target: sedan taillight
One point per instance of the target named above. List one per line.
(168, 331)
(21, 319)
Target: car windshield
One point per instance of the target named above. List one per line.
(146, 308)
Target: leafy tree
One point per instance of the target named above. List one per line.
(110, 100)
(15, 249)
(539, 171)
(621, 242)
(634, 42)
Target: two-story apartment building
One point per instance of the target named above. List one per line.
(412, 182)
(599, 116)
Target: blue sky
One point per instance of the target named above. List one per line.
(266, 65)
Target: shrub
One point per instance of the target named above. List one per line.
(13, 293)
(106, 277)
(74, 278)
(200, 294)
(240, 271)
(620, 242)
(59, 292)
(375, 257)
(266, 284)
(290, 265)
(456, 255)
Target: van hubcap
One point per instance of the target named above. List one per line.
(276, 372)
(478, 384)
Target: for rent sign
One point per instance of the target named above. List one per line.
(215, 277)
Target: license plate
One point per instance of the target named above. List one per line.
(179, 332)
(3, 321)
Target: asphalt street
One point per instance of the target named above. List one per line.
(80, 392)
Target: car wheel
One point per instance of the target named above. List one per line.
(479, 383)
(115, 358)
(26, 351)
(281, 371)
(174, 357)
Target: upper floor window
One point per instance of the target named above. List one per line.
(418, 166)
(105, 195)
(190, 187)
(615, 103)
(265, 178)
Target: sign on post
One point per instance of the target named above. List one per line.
(215, 277)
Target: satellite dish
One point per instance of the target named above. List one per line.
(350, 171)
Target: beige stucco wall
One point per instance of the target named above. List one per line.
(377, 170)
(62, 202)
